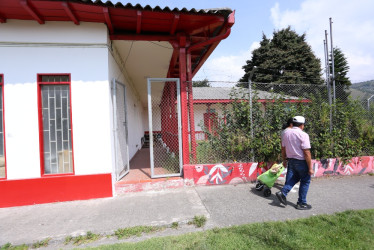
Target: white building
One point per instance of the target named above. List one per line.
(73, 78)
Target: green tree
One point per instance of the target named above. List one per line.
(341, 68)
(286, 58)
(202, 83)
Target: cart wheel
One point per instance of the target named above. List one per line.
(267, 192)
(259, 186)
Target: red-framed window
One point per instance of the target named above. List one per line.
(2, 131)
(55, 129)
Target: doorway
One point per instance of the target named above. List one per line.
(120, 124)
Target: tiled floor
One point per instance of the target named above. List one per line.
(140, 170)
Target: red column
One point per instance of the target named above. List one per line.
(183, 96)
(190, 105)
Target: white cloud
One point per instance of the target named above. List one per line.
(353, 29)
(225, 68)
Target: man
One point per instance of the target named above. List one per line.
(296, 153)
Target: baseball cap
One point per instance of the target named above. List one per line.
(299, 119)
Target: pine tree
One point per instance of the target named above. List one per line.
(341, 68)
(286, 59)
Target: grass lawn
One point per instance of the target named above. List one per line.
(346, 230)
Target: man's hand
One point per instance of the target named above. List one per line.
(308, 159)
(311, 172)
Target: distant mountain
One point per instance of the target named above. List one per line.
(367, 86)
(362, 90)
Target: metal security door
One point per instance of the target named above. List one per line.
(122, 165)
(165, 134)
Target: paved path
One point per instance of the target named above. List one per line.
(224, 205)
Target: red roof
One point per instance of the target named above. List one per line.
(133, 22)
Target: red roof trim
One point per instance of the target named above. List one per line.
(203, 29)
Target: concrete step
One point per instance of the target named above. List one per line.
(123, 187)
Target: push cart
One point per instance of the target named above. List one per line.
(266, 180)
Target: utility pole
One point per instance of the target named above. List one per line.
(327, 65)
(332, 62)
(326, 47)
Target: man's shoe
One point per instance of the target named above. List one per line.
(282, 199)
(303, 206)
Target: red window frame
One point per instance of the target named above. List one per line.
(40, 116)
(2, 93)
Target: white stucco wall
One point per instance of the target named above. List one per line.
(27, 48)
(135, 109)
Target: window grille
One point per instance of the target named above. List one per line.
(55, 78)
(55, 104)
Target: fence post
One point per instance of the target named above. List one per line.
(250, 115)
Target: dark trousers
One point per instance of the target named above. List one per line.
(297, 170)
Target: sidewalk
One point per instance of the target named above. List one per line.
(224, 205)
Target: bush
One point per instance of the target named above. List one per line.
(351, 134)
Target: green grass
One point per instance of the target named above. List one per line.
(124, 233)
(198, 221)
(9, 246)
(42, 243)
(174, 225)
(82, 239)
(346, 230)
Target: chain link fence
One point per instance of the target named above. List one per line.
(244, 124)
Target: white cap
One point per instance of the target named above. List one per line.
(299, 119)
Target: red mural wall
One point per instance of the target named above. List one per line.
(234, 173)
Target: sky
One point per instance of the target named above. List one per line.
(352, 29)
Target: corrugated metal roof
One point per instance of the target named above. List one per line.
(222, 11)
(223, 93)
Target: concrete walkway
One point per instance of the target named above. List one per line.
(224, 205)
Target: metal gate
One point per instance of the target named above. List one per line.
(120, 124)
(165, 135)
